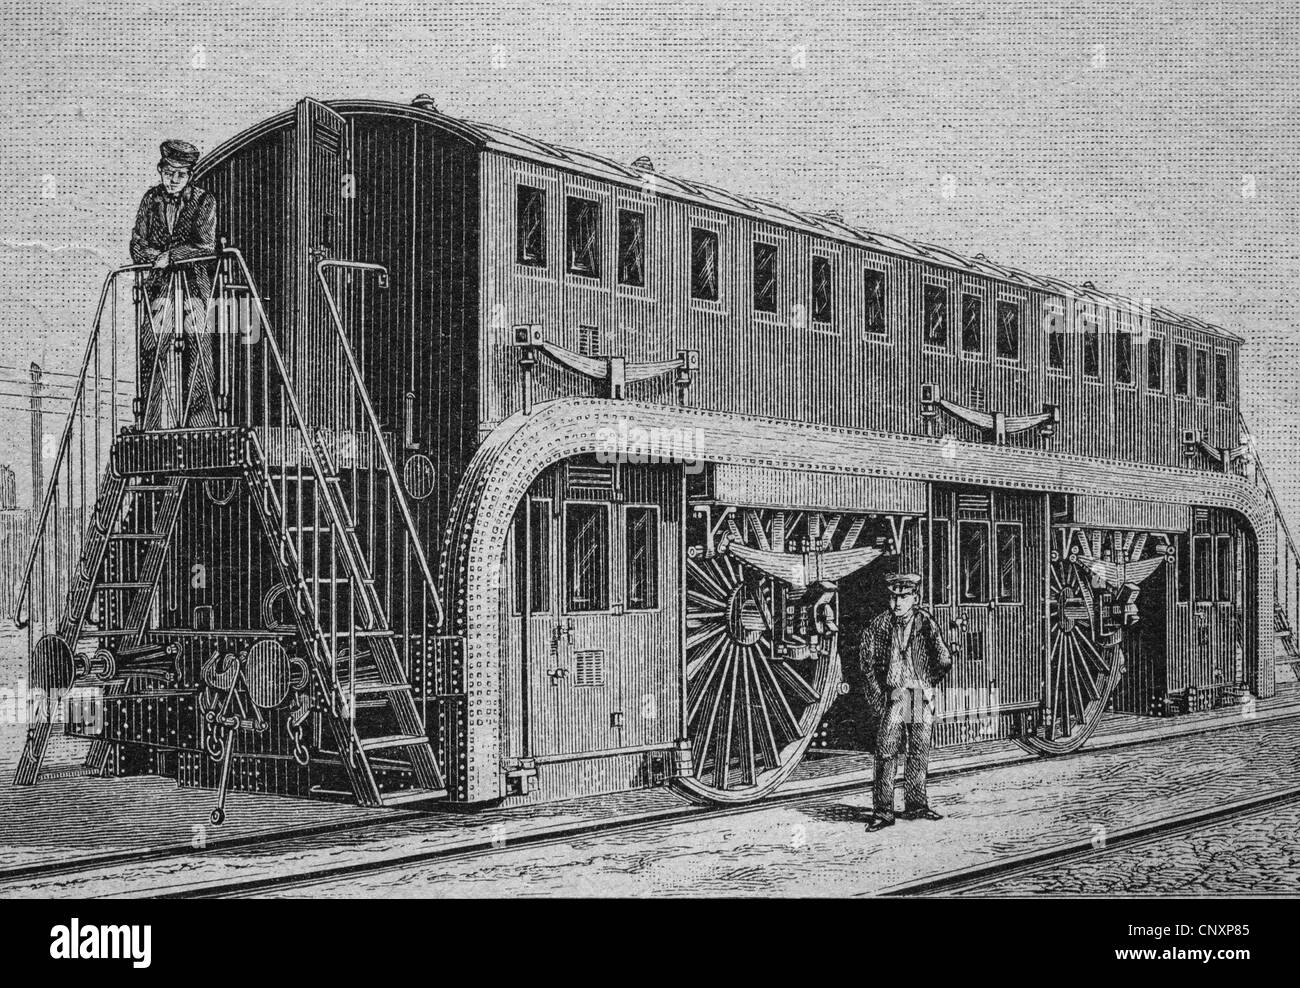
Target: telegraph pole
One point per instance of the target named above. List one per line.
(38, 435)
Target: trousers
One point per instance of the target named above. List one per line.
(904, 732)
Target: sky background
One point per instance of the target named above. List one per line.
(1149, 148)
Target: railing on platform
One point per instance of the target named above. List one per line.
(208, 358)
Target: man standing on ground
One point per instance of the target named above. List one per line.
(903, 658)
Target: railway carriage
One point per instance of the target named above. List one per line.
(537, 474)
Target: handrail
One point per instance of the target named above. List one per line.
(317, 468)
(389, 465)
(65, 440)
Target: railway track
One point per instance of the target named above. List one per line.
(981, 877)
(830, 786)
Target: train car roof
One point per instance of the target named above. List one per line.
(501, 140)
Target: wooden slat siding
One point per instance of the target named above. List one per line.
(781, 488)
(758, 364)
(1144, 516)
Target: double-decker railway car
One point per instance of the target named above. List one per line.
(535, 474)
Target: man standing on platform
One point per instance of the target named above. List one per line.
(176, 223)
(903, 658)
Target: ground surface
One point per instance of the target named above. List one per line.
(997, 802)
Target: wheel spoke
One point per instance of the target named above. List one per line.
(789, 722)
(802, 688)
(748, 760)
(712, 719)
(768, 735)
(702, 599)
(697, 690)
(706, 578)
(704, 634)
(701, 658)
(723, 746)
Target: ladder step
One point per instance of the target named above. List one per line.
(393, 741)
(123, 586)
(411, 796)
(150, 487)
(137, 537)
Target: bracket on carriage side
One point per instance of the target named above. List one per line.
(711, 528)
(1224, 456)
(1000, 424)
(613, 371)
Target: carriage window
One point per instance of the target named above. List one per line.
(935, 300)
(1055, 339)
(1010, 546)
(874, 284)
(1091, 348)
(1009, 330)
(822, 309)
(631, 247)
(1202, 374)
(642, 557)
(1180, 370)
(1227, 568)
(530, 224)
(1221, 377)
(764, 277)
(1155, 365)
(704, 264)
(1123, 358)
(940, 587)
(1203, 567)
(583, 236)
(535, 560)
(1184, 553)
(586, 556)
(970, 323)
(973, 561)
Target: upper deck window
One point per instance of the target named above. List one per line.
(1155, 365)
(874, 284)
(704, 264)
(631, 247)
(971, 306)
(935, 299)
(764, 277)
(1091, 347)
(1202, 374)
(583, 237)
(530, 224)
(1180, 369)
(1221, 377)
(822, 304)
(1123, 358)
(1055, 339)
(1009, 330)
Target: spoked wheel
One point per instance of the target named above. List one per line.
(750, 713)
(1085, 661)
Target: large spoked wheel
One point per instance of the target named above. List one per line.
(1085, 661)
(750, 715)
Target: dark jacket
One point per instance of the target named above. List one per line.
(194, 234)
(927, 650)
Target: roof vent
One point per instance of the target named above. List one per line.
(644, 163)
(1090, 286)
(980, 257)
(425, 102)
(834, 214)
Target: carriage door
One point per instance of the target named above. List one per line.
(603, 646)
(319, 229)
